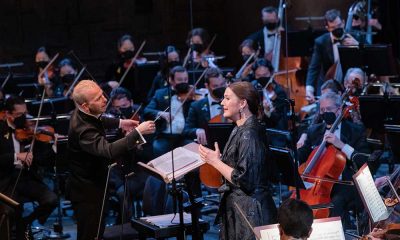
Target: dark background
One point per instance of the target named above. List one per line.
(91, 27)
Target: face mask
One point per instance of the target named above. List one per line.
(198, 47)
(173, 64)
(245, 57)
(42, 64)
(356, 28)
(126, 112)
(271, 25)
(338, 33)
(68, 78)
(328, 117)
(182, 87)
(19, 122)
(127, 55)
(218, 92)
(263, 80)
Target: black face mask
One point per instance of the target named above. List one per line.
(68, 78)
(182, 87)
(328, 117)
(245, 57)
(126, 112)
(42, 64)
(356, 28)
(338, 33)
(19, 122)
(127, 55)
(219, 92)
(198, 47)
(173, 64)
(263, 80)
(271, 25)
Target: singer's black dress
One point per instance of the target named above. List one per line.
(246, 153)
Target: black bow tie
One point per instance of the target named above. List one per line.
(215, 103)
(337, 41)
(270, 35)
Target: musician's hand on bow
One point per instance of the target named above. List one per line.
(201, 136)
(310, 96)
(211, 157)
(165, 116)
(349, 40)
(25, 158)
(334, 140)
(128, 125)
(301, 141)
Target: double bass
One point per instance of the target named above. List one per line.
(322, 169)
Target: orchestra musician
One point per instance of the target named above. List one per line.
(325, 53)
(168, 61)
(49, 77)
(266, 36)
(198, 40)
(246, 49)
(15, 158)
(349, 138)
(90, 153)
(67, 74)
(201, 111)
(295, 219)
(243, 164)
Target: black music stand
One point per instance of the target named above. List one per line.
(393, 137)
(218, 132)
(373, 59)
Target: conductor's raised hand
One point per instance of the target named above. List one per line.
(147, 127)
(211, 157)
(128, 125)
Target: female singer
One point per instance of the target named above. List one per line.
(244, 165)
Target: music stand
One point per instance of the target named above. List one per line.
(373, 111)
(373, 59)
(218, 132)
(393, 137)
(52, 106)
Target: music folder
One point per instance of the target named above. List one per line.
(370, 196)
(322, 229)
(186, 159)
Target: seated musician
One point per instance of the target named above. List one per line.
(325, 53)
(167, 62)
(246, 49)
(14, 157)
(198, 40)
(275, 103)
(265, 38)
(200, 112)
(116, 70)
(123, 107)
(167, 138)
(350, 139)
(67, 74)
(295, 219)
(48, 78)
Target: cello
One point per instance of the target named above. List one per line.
(322, 169)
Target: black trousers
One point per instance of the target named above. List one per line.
(87, 215)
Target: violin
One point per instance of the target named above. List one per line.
(43, 134)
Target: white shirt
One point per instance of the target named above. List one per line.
(268, 41)
(214, 109)
(178, 119)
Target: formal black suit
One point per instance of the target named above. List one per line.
(322, 59)
(30, 186)
(198, 117)
(343, 197)
(89, 154)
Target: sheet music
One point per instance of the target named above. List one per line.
(323, 229)
(372, 199)
(182, 158)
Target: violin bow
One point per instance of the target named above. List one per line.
(75, 81)
(128, 68)
(48, 65)
(137, 111)
(82, 65)
(246, 220)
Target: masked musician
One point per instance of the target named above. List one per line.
(168, 61)
(67, 74)
(244, 165)
(198, 40)
(350, 139)
(49, 77)
(246, 49)
(326, 53)
(90, 154)
(265, 38)
(15, 158)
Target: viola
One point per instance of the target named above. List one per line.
(43, 134)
